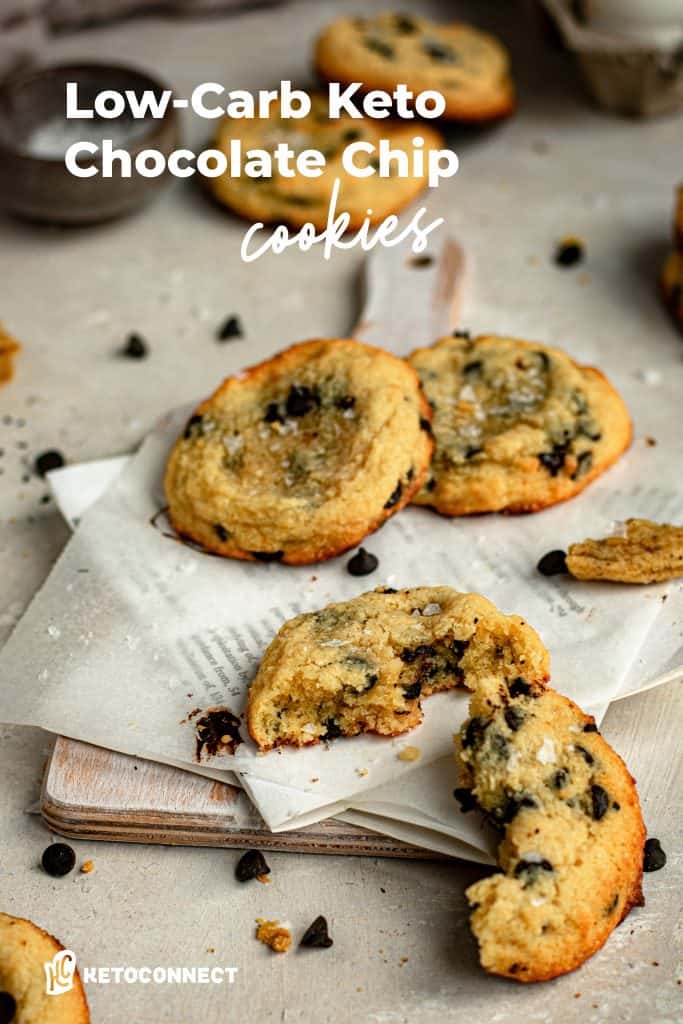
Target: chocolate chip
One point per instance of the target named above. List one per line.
(554, 563)
(410, 654)
(58, 859)
(135, 348)
(395, 496)
(193, 427)
(590, 727)
(267, 556)
(599, 801)
(431, 484)
(466, 799)
(350, 135)
(412, 691)
(346, 402)
(387, 590)
(48, 461)
(221, 532)
(587, 756)
(553, 461)
(301, 400)
(332, 730)
(531, 869)
(568, 254)
(519, 688)
(217, 730)
(584, 463)
(8, 1008)
(474, 367)
(439, 51)
(461, 334)
(273, 414)
(380, 47)
(514, 717)
(362, 563)
(472, 450)
(230, 328)
(405, 25)
(654, 857)
(474, 733)
(316, 935)
(511, 807)
(499, 745)
(559, 779)
(251, 864)
(421, 261)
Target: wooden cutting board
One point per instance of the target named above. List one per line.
(92, 793)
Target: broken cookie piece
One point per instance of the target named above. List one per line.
(273, 934)
(571, 853)
(364, 665)
(645, 552)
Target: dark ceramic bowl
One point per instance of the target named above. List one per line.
(34, 181)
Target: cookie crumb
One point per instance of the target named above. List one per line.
(650, 442)
(409, 754)
(87, 866)
(362, 772)
(274, 935)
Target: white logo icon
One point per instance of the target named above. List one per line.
(59, 973)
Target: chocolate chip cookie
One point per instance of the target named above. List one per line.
(470, 68)
(571, 854)
(644, 552)
(365, 665)
(25, 949)
(518, 426)
(299, 458)
(298, 200)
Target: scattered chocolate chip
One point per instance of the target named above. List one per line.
(332, 730)
(387, 590)
(267, 556)
(584, 463)
(421, 261)
(654, 857)
(301, 400)
(519, 688)
(193, 427)
(554, 563)
(559, 779)
(316, 935)
(8, 1008)
(251, 864)
(587, 756)
(395, 496)
(412, 691)
(599, 801)
(499, 745)
(218, 730)
(47, 461)
(362, 563)
(431, 484)
(58, 859)
(135, 347)
(425, 425)
(45, 499)
(568, 253)
(230, 328)
(350, 135)
(221, 532)
(514, 717)
(472, 450)
(466, 799)
(346, 402)
(462, 334)
(474, 367)
(590, 727)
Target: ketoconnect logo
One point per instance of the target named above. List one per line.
(59, 973)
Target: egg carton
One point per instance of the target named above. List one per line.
(632, 65)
